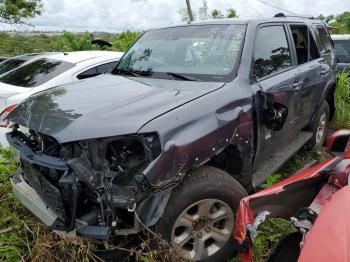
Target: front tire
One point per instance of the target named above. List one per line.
(199, 217)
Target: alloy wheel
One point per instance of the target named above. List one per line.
(202, 229)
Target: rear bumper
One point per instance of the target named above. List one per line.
(31, 200)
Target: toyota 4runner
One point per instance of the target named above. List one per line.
(191, 118)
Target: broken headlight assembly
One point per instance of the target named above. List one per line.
(97, 185)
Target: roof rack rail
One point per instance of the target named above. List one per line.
(301, 16)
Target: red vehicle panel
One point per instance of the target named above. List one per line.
(308, 200)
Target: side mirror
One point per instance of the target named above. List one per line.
(338, 143)
(274, 113)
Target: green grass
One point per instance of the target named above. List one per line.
(342, 101)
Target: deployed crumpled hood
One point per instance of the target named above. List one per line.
(104, 106)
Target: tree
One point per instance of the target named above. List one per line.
(203, 11)
(341, 22)
(75, 42)
(217, 14)
(19, 11)
(204, 14)
(231, 13)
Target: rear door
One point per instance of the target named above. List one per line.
(312, 73)
(274, 73)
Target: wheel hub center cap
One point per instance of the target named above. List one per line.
(200, 224)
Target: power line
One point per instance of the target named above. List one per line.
(252, 7)
(247, 4)
(277, 7)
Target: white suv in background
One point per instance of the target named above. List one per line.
(48, 70)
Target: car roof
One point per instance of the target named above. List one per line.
(289, 19)
(81, 56)
(341, 37)
(26, 57)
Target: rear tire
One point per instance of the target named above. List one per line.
(319, 126)
(287, 249)
(199, 217)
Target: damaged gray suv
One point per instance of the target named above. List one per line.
(191, 119)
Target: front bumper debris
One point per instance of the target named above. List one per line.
(31, 200)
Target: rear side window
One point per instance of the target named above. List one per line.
(304, 42)
(10, 64)
(98, 70)
(107, 68)
(36, 73)
(88, 73)
(271, 52)
(326, 42)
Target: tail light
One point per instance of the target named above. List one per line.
(4, 114)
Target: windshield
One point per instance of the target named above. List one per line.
(36, 72)
(201, 52)
(10, 64)
(342, 50)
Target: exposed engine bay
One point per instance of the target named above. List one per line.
(93, 186)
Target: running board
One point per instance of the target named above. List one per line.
(274, 163)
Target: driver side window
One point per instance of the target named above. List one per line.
(271, 51)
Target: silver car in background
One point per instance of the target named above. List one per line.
(39, 72)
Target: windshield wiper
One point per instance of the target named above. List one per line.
(119, 70)
(183, 77)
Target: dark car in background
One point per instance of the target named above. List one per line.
(192, 117)
(342, 51)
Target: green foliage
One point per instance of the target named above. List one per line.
(18, 11)
(342, 101)
(11, 241)
(217, 14)
(203, 13)
(269, 233)
(123, 40)
(271, 179)
(21, 43)
(341, 22)
(75, 42)
(231, 13)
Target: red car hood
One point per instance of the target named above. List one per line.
(329, 238)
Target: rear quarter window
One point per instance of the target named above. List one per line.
(36, 73)
(324, 37)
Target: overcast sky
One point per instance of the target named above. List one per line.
(119, 15)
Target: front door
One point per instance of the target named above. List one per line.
(274, 75)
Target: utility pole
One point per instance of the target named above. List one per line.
(189, 10)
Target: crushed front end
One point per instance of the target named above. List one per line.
(91, 188)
